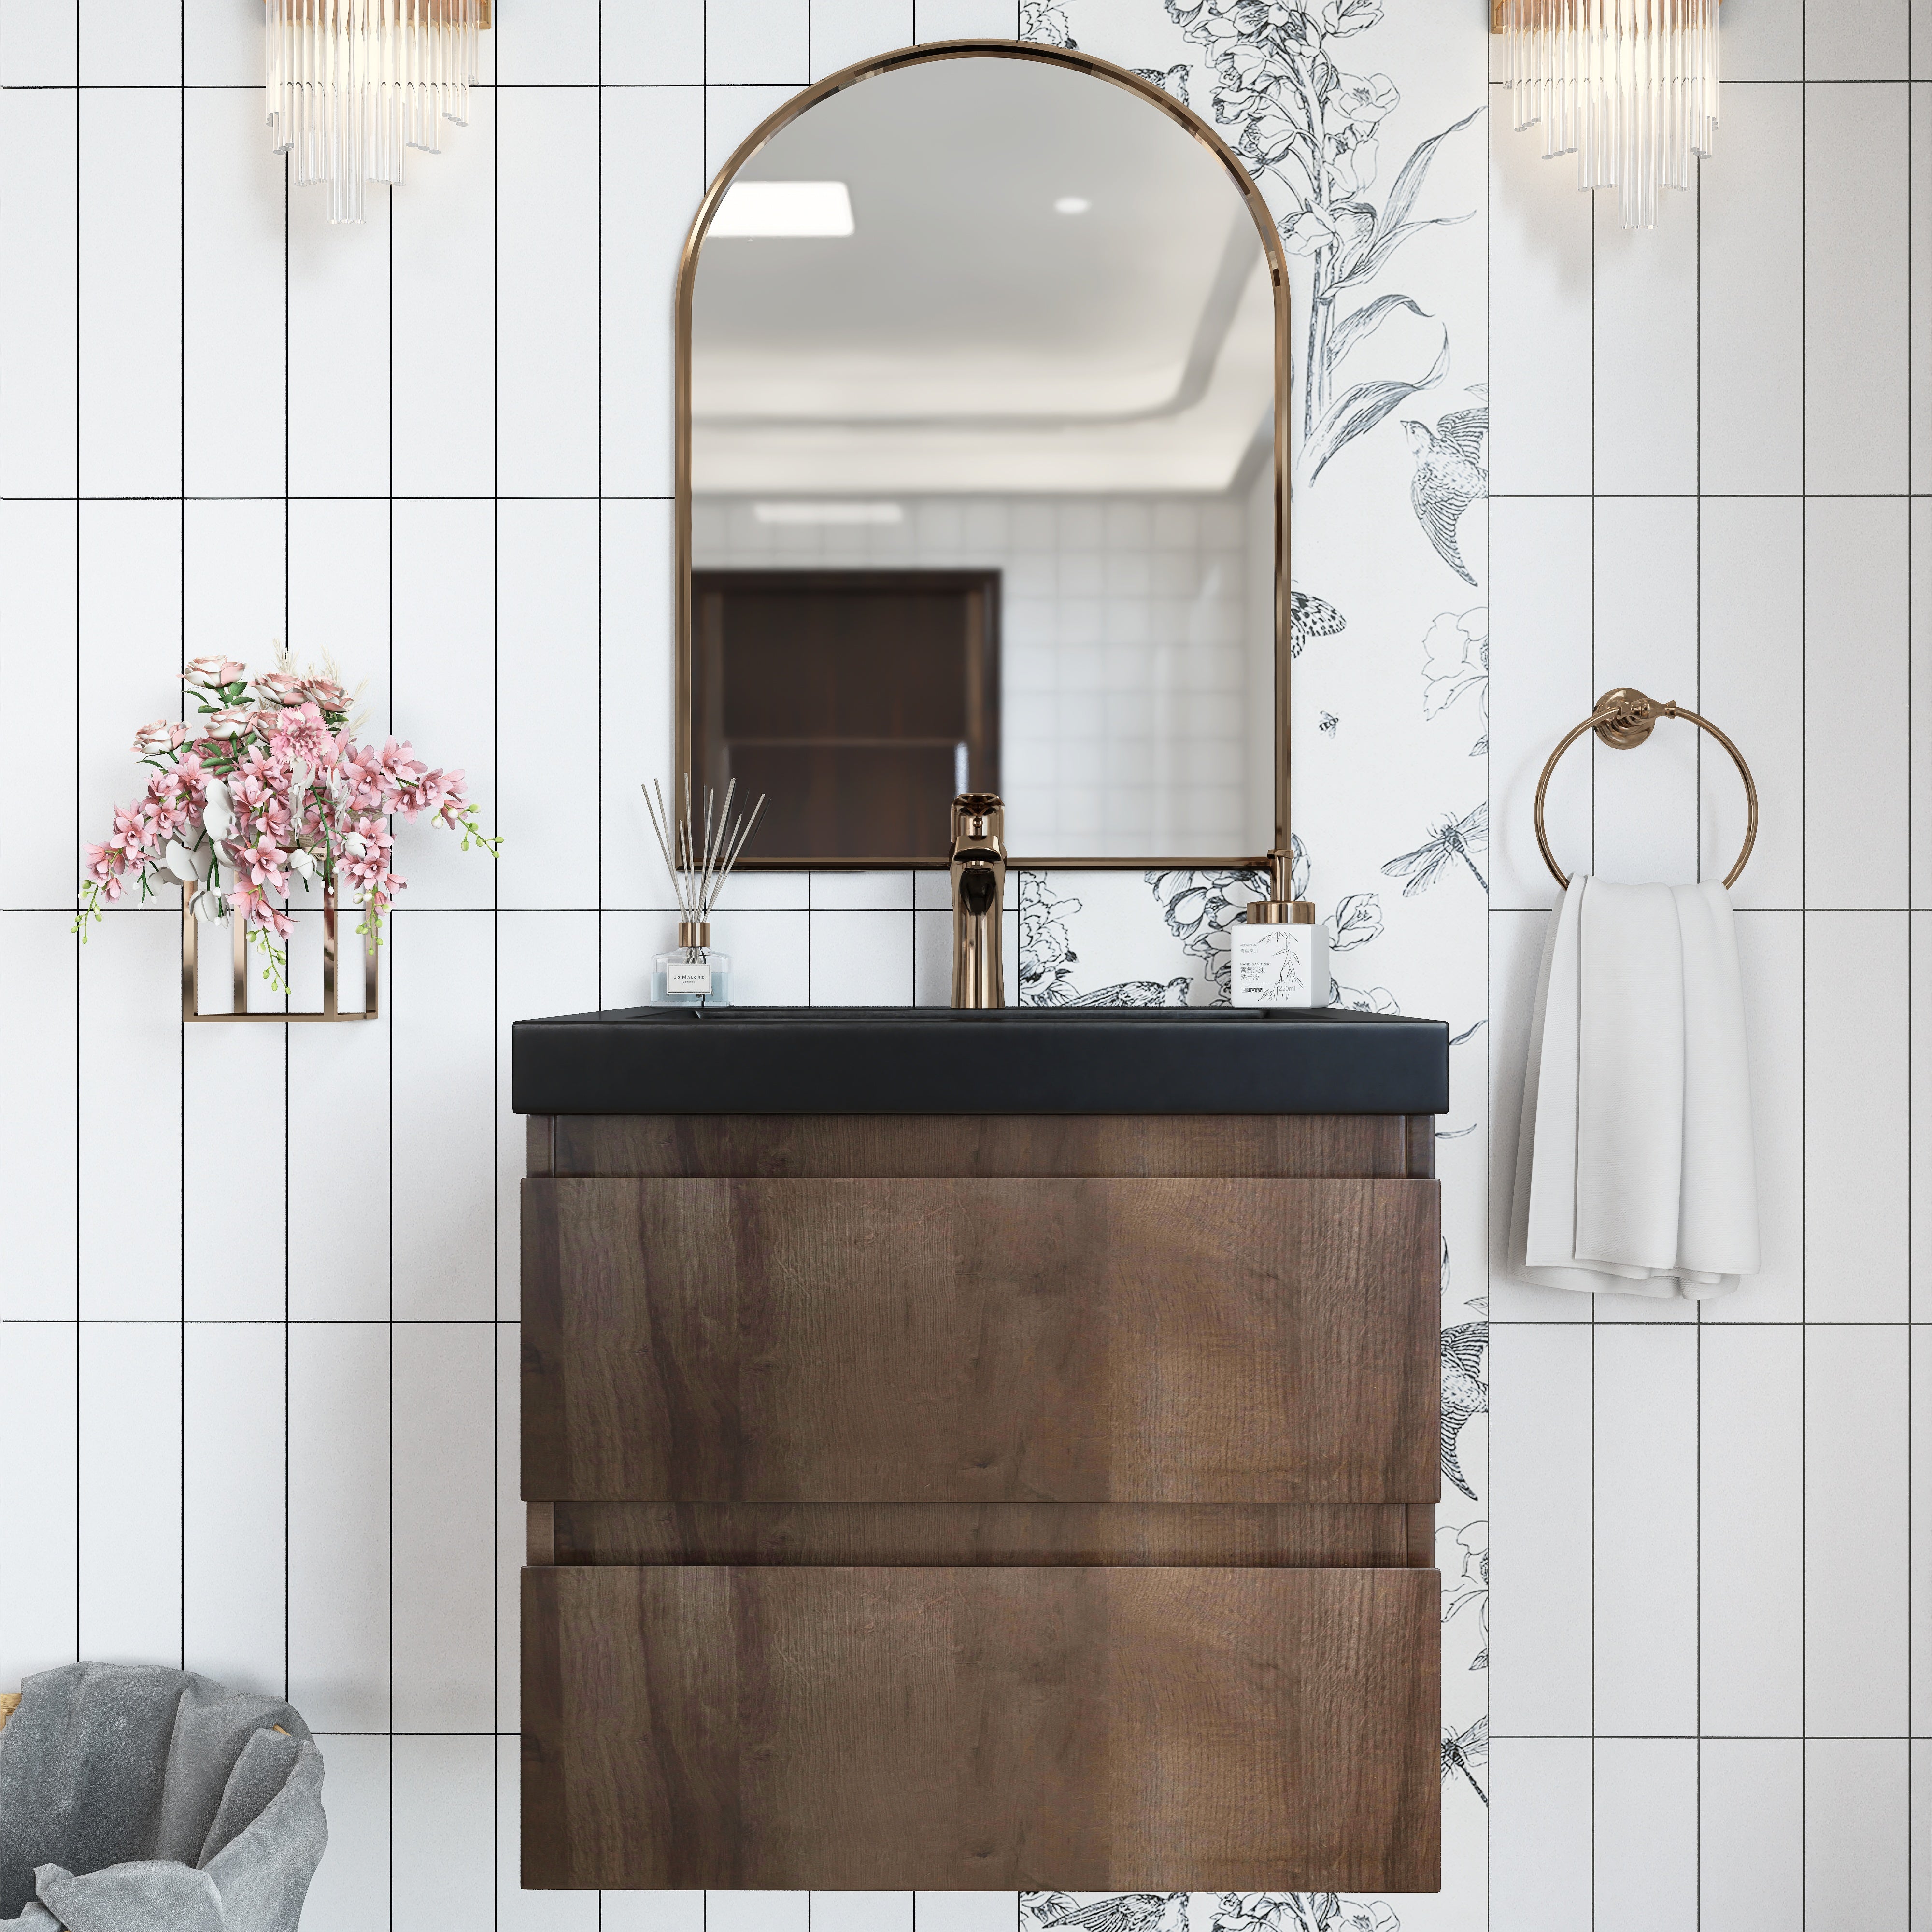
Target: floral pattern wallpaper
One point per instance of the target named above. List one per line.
(1362, 121)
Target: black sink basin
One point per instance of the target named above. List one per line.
(1013, 1059)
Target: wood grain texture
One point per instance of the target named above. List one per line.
(1421, 1536)
(540, 1143)
(1419, 1138)
(980, 1340)
(1283, 1145)
(1101, 1729)
(1169, 1535)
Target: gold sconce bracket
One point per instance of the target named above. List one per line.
(331, 1009)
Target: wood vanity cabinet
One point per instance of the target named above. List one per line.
(978, 1502)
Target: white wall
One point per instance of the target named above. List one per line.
(260, 1376)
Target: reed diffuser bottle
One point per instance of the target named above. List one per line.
(699, 859)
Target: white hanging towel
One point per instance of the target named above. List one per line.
(1634, 1170)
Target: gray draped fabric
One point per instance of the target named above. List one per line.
(135, 1799)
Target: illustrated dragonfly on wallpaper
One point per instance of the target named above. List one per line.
(1464, 1751)
(1452, 838)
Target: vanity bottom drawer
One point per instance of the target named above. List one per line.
(950, 1729)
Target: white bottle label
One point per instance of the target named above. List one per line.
(1279, 966)
(688, 976)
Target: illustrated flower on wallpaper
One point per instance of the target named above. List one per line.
(270, 787)
(1303, 1912)
(1463, 1556)
(1284, 90)
(1456, 659)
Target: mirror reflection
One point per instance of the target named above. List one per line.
(983, 377)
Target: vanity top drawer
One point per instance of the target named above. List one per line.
(1051, 1340)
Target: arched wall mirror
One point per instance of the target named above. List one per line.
(982, 470)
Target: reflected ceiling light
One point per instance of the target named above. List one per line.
(828, 513)
(1072, 204)
(792, 208)
(1629, 86)
(352, 83)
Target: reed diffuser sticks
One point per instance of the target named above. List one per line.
(699, 858)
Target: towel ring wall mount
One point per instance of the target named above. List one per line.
(1623, 719)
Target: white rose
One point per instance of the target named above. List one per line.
(218, 814)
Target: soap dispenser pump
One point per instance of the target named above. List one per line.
(1280, 948)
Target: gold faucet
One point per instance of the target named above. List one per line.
(979, 873)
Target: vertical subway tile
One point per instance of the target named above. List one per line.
(131, 293)
(130, 1137)
(350, 1890)
(1541, 683)
(39, 237)
(1920, 678)
(1857, 1412)
(1857, 40)
(547, 335)
(1646, 628)
(442, 1482)
(339, 597)
(124, 43)
(555, 47)
(512, 1525)
(1920, 1111)
(1541, 1832)
(339, 422)
(444, 703)
(442, 368)
(756, 42)
(234, 1529)
(442, 1161)
(234, 271)
(40, 1449)
(234, 579)
(1645, 330)
(1751, 1834)
(339, 1502)
(862, 958)
(655, 1911)
(1921, 1532)
(39, 548)
(635, 720)
(757, 1911)
(1857, 670)
(444, 1869)
(1857, 1111)
(1751, 293)
(39, 1040)
(129, 1424)
(1857, 1833)
(861, 1912)
(653, 177)
(1540, 269)
(1645, 1846)
(547, 630)
(221, 46)
(1920, 295)
(1751, 1564)
(1765, 42)
(1857, 282)
(1646, 1544)
(731, 114)
(663, 47)
(1540, 1486)
(962, 19)
(1751, 649)
(39, 45)
(221, 1279)
(844, 31)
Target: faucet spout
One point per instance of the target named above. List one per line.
(979, 873)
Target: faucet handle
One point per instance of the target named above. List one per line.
(979, 820)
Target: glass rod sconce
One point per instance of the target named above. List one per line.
(1629, 86)
(352, 83)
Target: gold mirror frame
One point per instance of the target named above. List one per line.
(687, 278)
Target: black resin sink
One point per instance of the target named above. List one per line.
(1013, 1059)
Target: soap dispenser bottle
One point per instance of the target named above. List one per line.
(1280, 948)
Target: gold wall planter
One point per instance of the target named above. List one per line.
(331, 1006)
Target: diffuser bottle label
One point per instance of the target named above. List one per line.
(687, 976)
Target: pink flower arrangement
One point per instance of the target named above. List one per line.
(270, 787)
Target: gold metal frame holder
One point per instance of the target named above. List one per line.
(1623, 719)
(332, 1007)
(1191, 123)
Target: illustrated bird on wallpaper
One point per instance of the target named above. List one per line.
(1465, 1393)
(1451, 472)
(1309, 617)
(1130, 1912)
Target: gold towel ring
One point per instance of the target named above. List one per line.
(1624, 719)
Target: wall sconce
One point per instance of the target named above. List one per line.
(1630, 86)
(352, 83)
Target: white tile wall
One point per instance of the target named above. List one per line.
(261, 1391)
